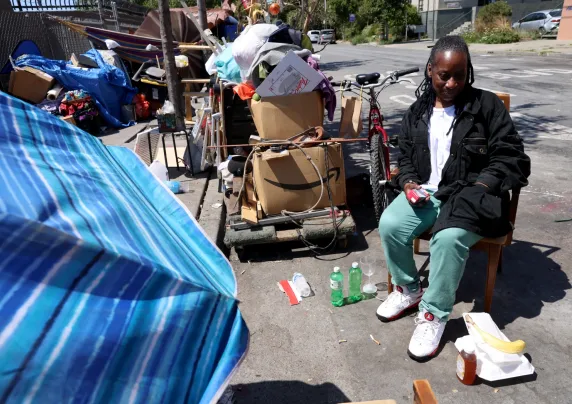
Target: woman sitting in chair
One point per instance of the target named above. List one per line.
(459, 145)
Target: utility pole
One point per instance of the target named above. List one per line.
(406, 23)
(202, 6)
(173, 87)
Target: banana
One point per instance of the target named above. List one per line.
(514, 347)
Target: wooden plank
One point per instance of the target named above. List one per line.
(196, 81)
(188, 106)
(194, 93)
(194, 47)
(422, 392)
(286, 235)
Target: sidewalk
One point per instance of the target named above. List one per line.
(541, 47)
(200, 192)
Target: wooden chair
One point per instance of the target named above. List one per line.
(492, 246)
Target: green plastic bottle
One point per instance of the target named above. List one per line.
(337, 287)
(355, 283)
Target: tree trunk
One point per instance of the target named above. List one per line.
(201, 5)
(312, 4)
(169, 62)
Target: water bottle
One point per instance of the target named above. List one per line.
(355, 283)
(337, 287)
(301, 285)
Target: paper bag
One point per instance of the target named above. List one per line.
(350, 122)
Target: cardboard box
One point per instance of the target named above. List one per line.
(288, 181)
(30, 84)
(279, 118)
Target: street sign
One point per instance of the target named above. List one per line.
(352, 17)
(418, 29)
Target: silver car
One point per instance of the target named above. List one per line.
(314, 36)
(327, 36)
(545, 22)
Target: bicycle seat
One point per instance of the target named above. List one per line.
(371, 78)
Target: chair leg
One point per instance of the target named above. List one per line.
(389, 283)
(416, 243)
(494, 255)
(499, 270)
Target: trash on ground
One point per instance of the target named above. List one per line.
(288, 288)
(374, 340)
(216, 205)
(486, 338)
(342, 340)
(301, 285)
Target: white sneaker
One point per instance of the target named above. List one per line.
(399, 301)
(426, 337)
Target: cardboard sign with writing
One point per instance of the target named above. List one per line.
(288, 181)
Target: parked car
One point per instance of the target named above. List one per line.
(545, 22)
(327, 36)
(314, 36)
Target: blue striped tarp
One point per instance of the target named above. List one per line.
(110, 292)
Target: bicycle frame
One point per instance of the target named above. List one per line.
(376, 127)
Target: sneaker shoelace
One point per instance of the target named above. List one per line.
(424, 327)
(395, 298)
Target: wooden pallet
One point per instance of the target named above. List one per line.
(310, 229)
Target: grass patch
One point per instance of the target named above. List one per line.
(497, 35)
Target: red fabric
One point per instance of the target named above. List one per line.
(245, 91)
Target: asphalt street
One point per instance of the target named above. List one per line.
(295, 355)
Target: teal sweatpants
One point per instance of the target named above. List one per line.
(400, 224)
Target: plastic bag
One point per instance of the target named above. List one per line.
(168, 108)
(181, 61)
(246, 46)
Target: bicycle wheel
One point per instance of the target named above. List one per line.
(378, 176)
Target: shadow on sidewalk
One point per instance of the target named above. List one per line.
(529, 280)
(288, 392)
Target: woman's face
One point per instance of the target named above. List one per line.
(448, 74)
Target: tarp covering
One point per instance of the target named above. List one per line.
(183, 28)
(110, 292)
(108, 85)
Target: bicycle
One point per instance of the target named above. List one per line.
(378, 140)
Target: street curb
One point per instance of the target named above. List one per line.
(540, 53)
(211, 218)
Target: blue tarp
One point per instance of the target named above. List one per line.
(108, 85)
(110, 291)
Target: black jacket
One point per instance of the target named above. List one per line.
(485, 148)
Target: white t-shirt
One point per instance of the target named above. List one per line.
(439, 143)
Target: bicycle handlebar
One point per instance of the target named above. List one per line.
(393, 76)
(404, 72)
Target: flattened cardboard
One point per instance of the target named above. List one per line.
(279, 118)
(290, 182)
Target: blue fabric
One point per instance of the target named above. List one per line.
(108, 85)
(24, 47)
(110, 292)
(226, 66)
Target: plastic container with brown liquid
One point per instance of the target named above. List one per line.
(467, 366)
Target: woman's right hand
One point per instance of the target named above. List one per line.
(412, 185)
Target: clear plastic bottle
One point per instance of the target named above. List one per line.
(301, 285)
(337, 287)
(467, 366)
(355, 283)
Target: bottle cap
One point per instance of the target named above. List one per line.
(355, 265)
(469, 348)
(336, 269)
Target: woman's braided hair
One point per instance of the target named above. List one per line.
(426, 93)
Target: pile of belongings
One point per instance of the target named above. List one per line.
(68, 89)
(255, 54)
